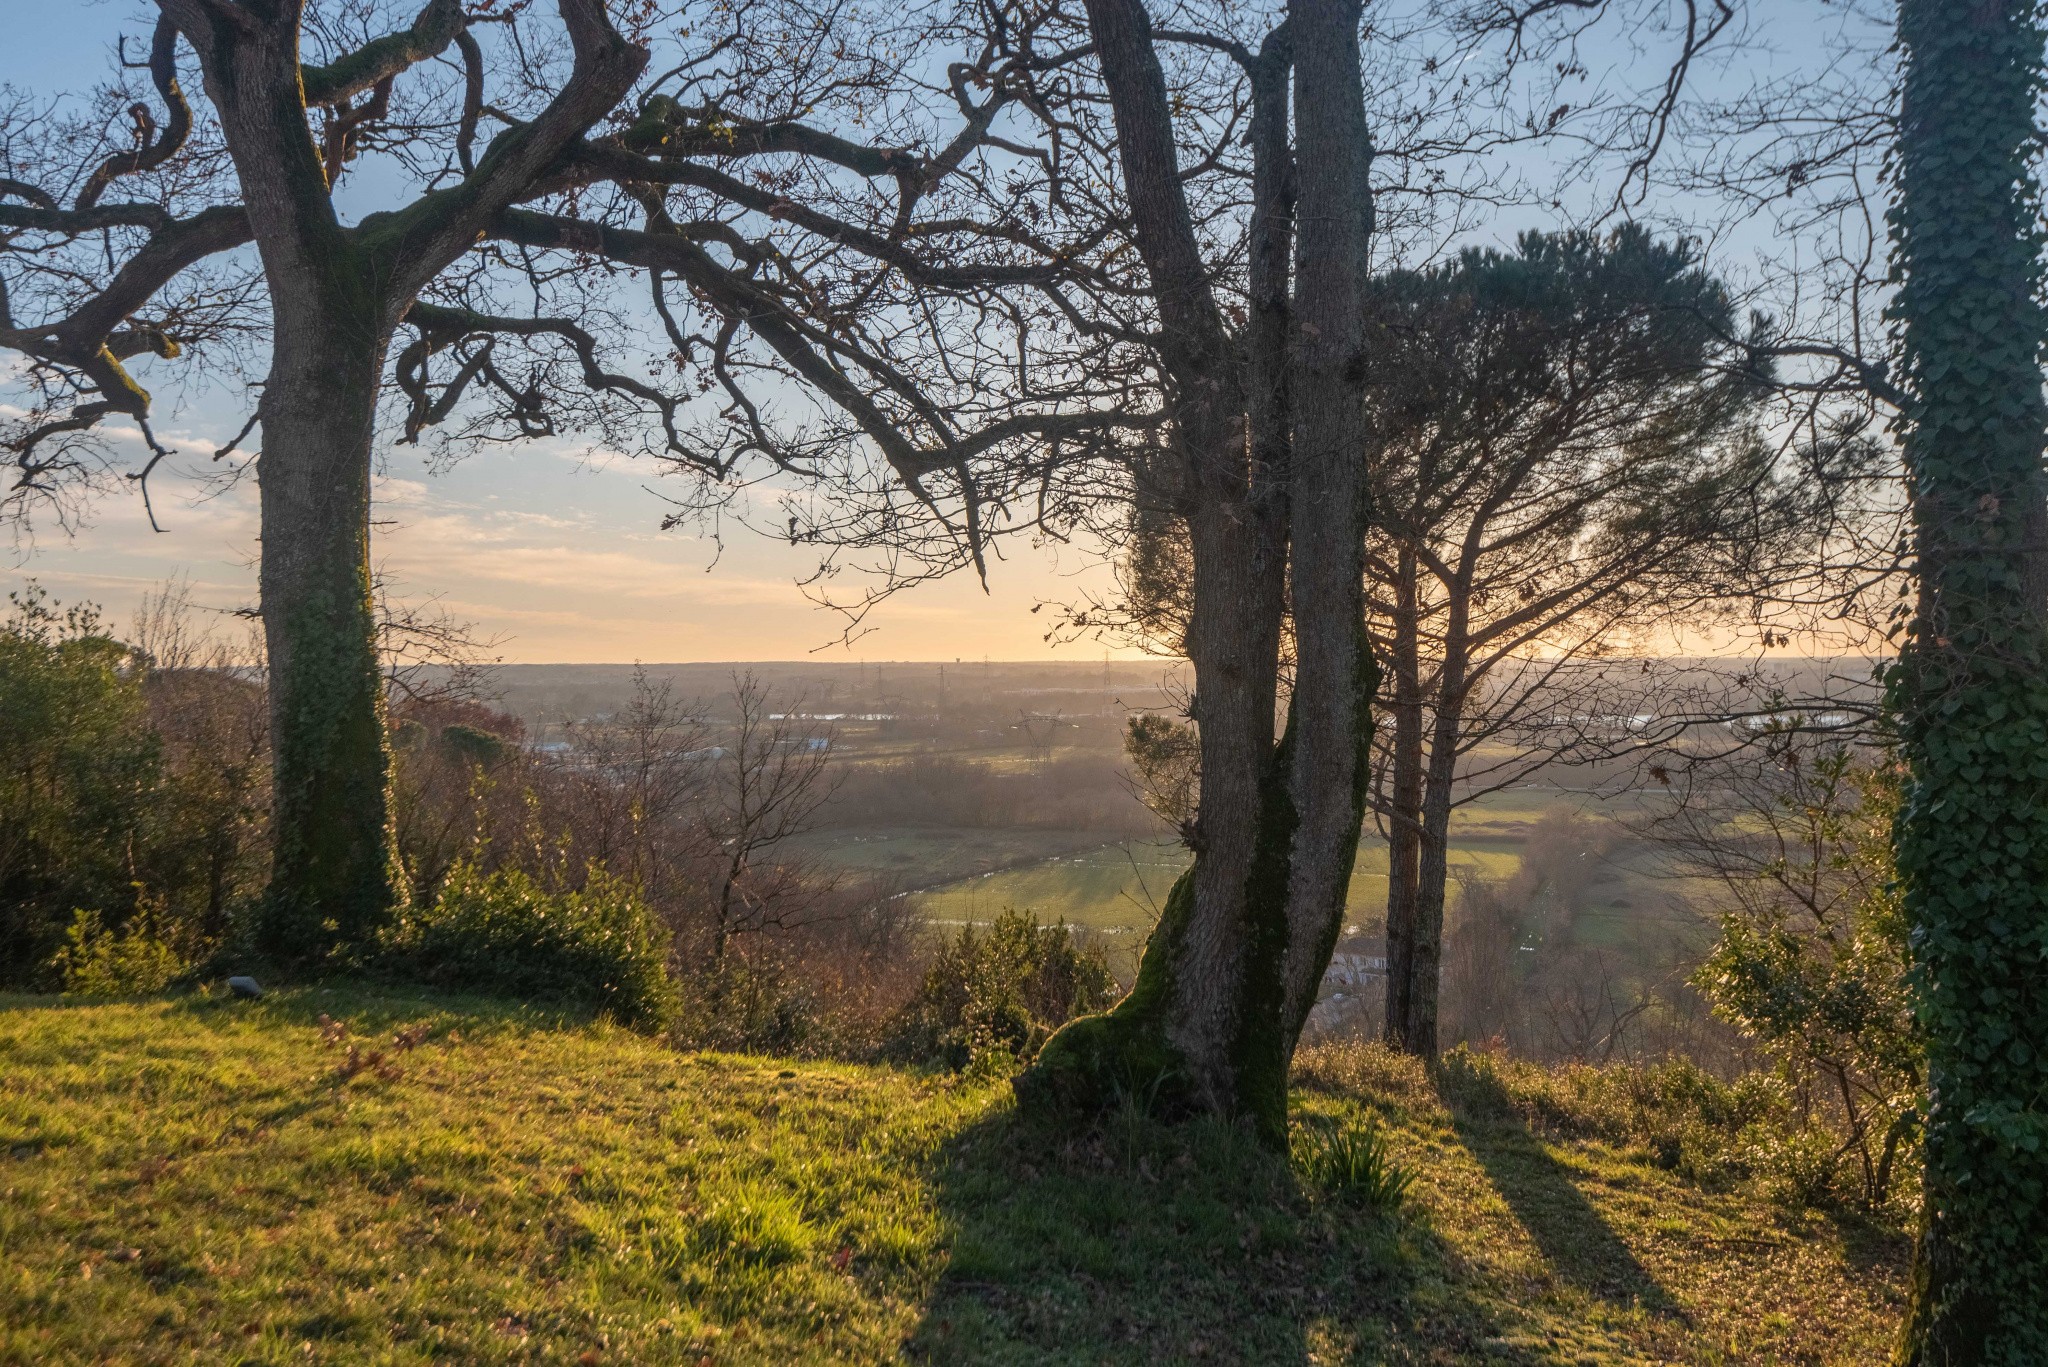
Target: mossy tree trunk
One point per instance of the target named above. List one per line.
(1970, 686)
(334, 877)
(1246, 935)
(337, 296)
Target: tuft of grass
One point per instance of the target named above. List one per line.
(1354, 1164)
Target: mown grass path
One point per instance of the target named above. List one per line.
(204, 1181)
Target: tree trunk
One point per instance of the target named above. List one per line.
(334, 874)
(1404, 804)
(1333, 684)
(1195, 1031)
(1419, 1033)
(1971, 685)
(334, 871)
(1209, 1024)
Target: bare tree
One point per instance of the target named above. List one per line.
(1249, 325)
(1231, 971)
(764, 789)
(629, 784)
(785, 213)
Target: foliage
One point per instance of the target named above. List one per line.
(517, 1188)
(755, 1003)
(991, 999)
(1165, 757)
(131, 789)
(1971, 685)
(1811, 965)
(131, 961)
(79, 767)
(1354, 1164)
(505, 932)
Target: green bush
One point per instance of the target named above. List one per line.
(78, 769)
(990, 1000)
(125, 962)
(746, 1005)
(505, 934)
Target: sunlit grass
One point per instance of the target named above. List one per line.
(202, 1181)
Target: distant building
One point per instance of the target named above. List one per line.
(1353, 992)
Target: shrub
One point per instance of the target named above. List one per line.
(990, 1000)
(504, 933)
(1798, 1166)
(78, 766)
(752, 1004)
(1353, 1164)
(130, 961)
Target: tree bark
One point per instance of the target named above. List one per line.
(1971, 685)
(1332, 684)
(1231, 969)
(337, 296)
(1404, 803)
(334, 876)
(1179, 1035)
(334, 873)
(1419, 1034)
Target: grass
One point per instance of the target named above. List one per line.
(199, 1180)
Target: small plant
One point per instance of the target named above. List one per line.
(598, 947)
(131, 961)
(1353, 1164)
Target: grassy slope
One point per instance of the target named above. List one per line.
(194, 1181)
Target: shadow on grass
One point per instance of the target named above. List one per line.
(1137, 1242)
(1581, 1248)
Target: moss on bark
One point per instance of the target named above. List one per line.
(1093, 1062)
(333, 881)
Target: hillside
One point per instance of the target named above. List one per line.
(199, 1180)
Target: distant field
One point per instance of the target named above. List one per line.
(1120, 887)
(1117, 887)
(925, 856)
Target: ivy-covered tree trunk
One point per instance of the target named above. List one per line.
(334, 876)
(332, 862)
(1971, 686)
(338, 294)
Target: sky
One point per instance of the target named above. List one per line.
(554, 552)
(557, 555)
(558, 558)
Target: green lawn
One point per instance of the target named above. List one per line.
(203, 1181)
